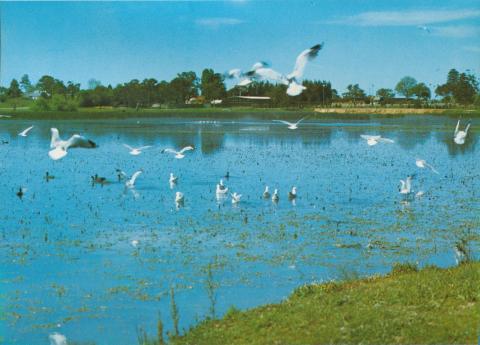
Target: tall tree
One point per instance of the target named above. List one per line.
(405, 86)
(354, 93)
(184, 86)
(25, 84)
(421, 91)
(461, 87)
(14, 89)
(211, 85)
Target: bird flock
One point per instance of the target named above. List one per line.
(59, 149)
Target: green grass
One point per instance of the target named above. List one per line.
(407, 306)
(23, 111)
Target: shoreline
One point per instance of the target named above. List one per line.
(405, 306)
(227, 113)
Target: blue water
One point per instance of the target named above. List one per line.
(68, 264)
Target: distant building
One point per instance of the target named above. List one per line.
(196, 100)
(216, 101)
(33, 95)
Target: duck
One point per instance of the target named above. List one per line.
(293, 193)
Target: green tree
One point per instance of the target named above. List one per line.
(14, 89)
(421, 91)
(93, 83)
(211, 85)
(405, 86)
(26, 85)
(354, 93)
(184, 86)
(386, 94)
(72, 89)
(460, 87)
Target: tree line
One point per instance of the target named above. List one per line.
(54, 94)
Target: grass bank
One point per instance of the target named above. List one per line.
(229, 113)
(430, 306)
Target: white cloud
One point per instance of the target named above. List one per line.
(460, 31)
(219, 21)
(409, 17)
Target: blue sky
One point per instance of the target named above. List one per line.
(373, 43)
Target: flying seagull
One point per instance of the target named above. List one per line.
(135, 151)
(424, 28)
(375, 139)
(460, 136)
(290, 124)
(131, 182)
(179, 154)
(294, 88)
(406, 186)
(60, 146)
(238, 74)
(422, 163)
(236, 198)
(25, 132)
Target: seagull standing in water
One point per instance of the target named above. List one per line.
(406, 186)
(292, 194)
(290, 124)
(57, 339)
(275, 197)
(131, 182)
(221, 189)
(375, 139)
(60, 146)
(266, 193)
(421, 163)
(460, 136)
(236, 198)
(135, 151)
(25, 131)
(179, 154)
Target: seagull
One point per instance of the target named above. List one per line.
(173, 179)
(375, 139)
(179, 199)
(238, 74)
(25, 131)
(424, 28)
(135, 243)
(179, 154)
(290, 124)
(57, 339)
(293, 87)
(275, 197)
(421, 163)
(221, 189)
(293, 193)
(266, 193)
(60, 146)
(460, 136)
(21, 192)
(236, 198)
(406, 186)
(131, 182)
(135, 151)
(419, 194)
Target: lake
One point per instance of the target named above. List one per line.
(69, 265)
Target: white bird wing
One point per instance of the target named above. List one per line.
(431, 167)
(79, 141)
(144, 147)
(408, 183)
(284, 122)
(186, 148)
(134, 177)
(302, 59)
(171, 151)
(128, 147)
(303, 118)
(55, 137)
(245, 82)
(386, 140)
(467, 128)
(402, 182)
(234, 73)
(24, 132)
(456, 128)
(57, 153)
(268, 73)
